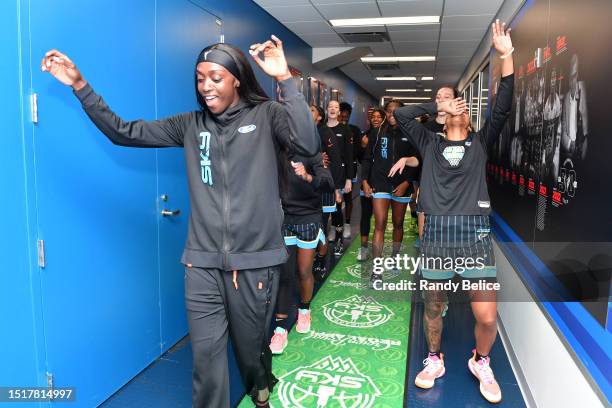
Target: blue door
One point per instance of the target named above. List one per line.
(97, 208)
(183, 29)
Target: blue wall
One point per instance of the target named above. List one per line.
(18, 343)
(110, 299)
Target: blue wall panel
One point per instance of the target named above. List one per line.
(18, 340)
(96, 201)
(110, 299)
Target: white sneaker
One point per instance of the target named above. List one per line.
(331, 237)
(347, 231)
(489, 388)
(362, 255)
(434, 368)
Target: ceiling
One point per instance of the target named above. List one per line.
(453, 41)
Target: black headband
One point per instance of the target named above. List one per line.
(220, 57)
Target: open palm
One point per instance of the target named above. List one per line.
(501, 38)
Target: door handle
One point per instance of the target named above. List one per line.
(167, 213)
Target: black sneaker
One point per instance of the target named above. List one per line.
(339, 247)
(375, 277)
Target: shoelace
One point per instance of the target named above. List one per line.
(484, 369)
(431, 365)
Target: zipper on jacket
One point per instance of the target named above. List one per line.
(225, 205)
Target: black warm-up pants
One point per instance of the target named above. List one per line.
(215, 308)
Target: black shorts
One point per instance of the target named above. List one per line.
(306, 235)
(457, 245)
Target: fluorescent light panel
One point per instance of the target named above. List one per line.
(407, 90)
(409, 78)
(414, 98)
(381, 21)
(398, 59)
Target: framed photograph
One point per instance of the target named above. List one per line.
(334, 95)
(313, 91)
(323, 95)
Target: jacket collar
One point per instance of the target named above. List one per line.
(230, 114)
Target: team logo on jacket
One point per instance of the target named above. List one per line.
(358, 312)
(247, 128)
(205, 164)
(331, 381)
(453, 154)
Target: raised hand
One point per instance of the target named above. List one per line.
(455, 106)
(501, 38)
(63, 69)
(274, 62)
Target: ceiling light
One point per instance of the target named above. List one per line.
(426, 78)
(408, 90)
(396, 78)
(381, 21)
(398, 59)
(415, 98)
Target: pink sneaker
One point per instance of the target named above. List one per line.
(279, 341)
(303, 321)
(434, 368)
(489, 388)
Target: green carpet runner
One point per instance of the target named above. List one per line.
(355, 354)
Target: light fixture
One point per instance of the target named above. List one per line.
(396, 78)
(407, 90)
(414, 98)
(381, 21)
(398, 59)
(407, 78)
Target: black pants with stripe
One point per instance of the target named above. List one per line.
(215, 308)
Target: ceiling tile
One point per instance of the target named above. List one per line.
(294, 13)
(415, 47)
(414, 36)
(456, 51)
(395, 8)
(273, 3)
(355, 10)
(466, 7)
(381, 49)
(424, 68)
(466, 22)
(310, 27)
(317, 2)
(322, 40)
(463, 35)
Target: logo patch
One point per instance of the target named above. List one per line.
(468, 144)
(358, 312)
(453, 154)
(484, 204)
(247, 128)
(331, 381)
(205, 163)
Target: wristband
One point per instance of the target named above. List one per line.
(506, 55)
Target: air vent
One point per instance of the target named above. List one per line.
(383, 66)
(365, 37)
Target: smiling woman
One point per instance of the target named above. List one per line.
(233, 250)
